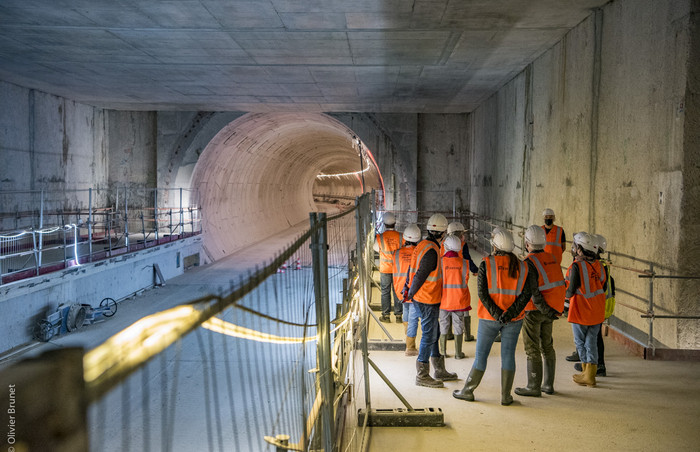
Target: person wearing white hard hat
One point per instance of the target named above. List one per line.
(456, 300)
(458, 229)
(587, 283)
(546, 305)
(425, 292)
(505, 286)
(556, 238)
(601, 371)
(401, 264)
(386, 243)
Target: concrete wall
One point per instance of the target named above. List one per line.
(27, 301)
(595, 129)
(48, 143)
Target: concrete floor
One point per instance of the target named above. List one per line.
(640, 406)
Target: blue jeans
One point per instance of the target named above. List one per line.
(386, 284)
(488, 330)
(429, 323)
(586, 340)
(411, 315)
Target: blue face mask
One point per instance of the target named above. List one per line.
(549, 222)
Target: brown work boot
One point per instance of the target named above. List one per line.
(440, 372)
(411, 349)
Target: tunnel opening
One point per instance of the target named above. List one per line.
(264, 172)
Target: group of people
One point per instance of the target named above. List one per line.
(431, 276)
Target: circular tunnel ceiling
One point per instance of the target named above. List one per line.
(259, 174)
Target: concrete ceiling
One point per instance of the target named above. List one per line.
(413, 56)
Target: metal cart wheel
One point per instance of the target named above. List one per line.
(75, 317)
(109, 307)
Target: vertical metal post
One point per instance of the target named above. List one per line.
(182, 226)
(126, 219)
(41, 226)
(319, 250)
(36, 253)
(170, 225)
(650, 343)
(90, 224)
(109, 231)
(360, 213)
(155, 212)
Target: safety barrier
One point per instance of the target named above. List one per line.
(50, 231)
(274, 362)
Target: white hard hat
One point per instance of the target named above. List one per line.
(535, 236)
(601, 241)
(452, 243)
(502, 239)
(547, 212)
(437, 223)
(389, 219)
(586, 241)
(412, 233)
(455, 226)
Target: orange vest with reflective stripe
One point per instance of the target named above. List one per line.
(389, 241)
(455, 276)
(553, 244)
(400, 265)
(587, 306)
(550, 281)
(431, 290)
(502, 288)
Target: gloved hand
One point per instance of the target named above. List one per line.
(505, 318)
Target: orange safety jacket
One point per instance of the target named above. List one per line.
(553, 243)
(550, 281)
(431, 290)
(587, 306)
(455, 276)
(389, 241)
(502, 288)
(400, 266)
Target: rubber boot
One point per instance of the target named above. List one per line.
(573, 357)
(399, 318)
(440, 372)
(423, 377)
(507, 377)
(411, 349)
(534, 380)
(589, 375)
(468, 328)
(579, 377)
(550, 366)
(443, 345)
(467, 392)
(458, 347)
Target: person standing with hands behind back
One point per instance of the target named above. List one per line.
(505, 287)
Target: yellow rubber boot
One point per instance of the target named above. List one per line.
(578, 378)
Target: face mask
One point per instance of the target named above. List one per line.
(549, 222)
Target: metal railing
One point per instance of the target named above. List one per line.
(258, 366)
(479, 233)
(50, 232)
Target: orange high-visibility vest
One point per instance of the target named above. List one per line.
(389, 241)
(553, 244)
(502, 288)
(550, 281)
(431, 290)
(587, 306)
(400, 265)
(455, 276)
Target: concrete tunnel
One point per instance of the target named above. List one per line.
(259, 174)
